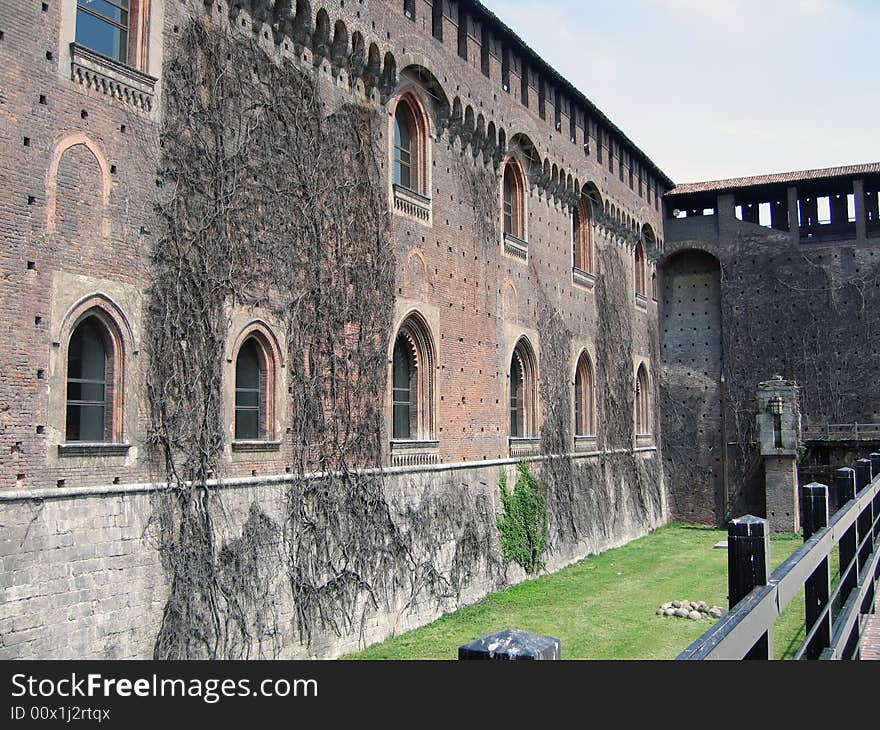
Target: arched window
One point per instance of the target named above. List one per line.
(523, 417)
(94, 379)
(411, 152)
(412, 382)
(513, 200)
(254, 388)
(643, 405)
(584, 398)
(405, 152)
(581, 222)
(404, 369)
(87, 371)
(639, 269)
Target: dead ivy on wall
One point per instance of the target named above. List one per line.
(812, 320)
(589, 499)
(268, 197)
(801, 311)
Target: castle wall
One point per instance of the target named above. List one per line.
(80, 143)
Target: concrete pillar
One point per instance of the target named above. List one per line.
(779, 425)
(725, 210)
(859, 195)
(793, 222)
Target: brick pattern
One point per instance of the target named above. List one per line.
(65, 228)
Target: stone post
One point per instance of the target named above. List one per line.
(779, 430)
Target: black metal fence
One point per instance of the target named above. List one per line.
(833, 618)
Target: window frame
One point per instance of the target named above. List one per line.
(523, 358)
(137, 45)
(114, 369)
(415, 338)
(585, 411)
(269, 362)
(513, 195)
(643, 417)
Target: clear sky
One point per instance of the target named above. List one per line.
(712, 89)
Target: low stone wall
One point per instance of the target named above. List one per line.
(83, 575)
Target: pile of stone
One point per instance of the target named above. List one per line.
(694, 610)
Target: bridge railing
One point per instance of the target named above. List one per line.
(842, 432)
(757, 599)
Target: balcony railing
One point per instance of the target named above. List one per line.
(111, 78)
(410, 203)
(524, 446)
(585, 444)
(516, 247)
(414, 453)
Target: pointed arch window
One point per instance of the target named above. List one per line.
(410, 163)
(412, 382)
(249, 393)
(639, 270)
(255, 375)
(512, 203)
(643, 405)
(513, 210)
(94, 386)
(87, 383)
(404, 154)
(581, 223)
(584, 398)
(523, 392)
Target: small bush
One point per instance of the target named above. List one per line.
(523, 527)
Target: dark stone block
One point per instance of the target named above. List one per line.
(512, 645)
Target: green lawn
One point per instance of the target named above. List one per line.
(603, 607)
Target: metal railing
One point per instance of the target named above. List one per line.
(757, 599)
(843, 432)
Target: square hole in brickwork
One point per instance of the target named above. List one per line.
(60, 483)
(27, 141)
(38, 320)
(45, 7)
(31, 265)
(43, 99)
(112, 169)
(122, 128)
(41, 374)
(84, 114)
(49, 55)
(31, 200)
(41, 429)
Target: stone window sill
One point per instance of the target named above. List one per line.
(257, 446)
(111, 78)
(524, 446)
(579, 277)
(412, 205)
(585, 444)
(642, 301)
(644, 439)
(516, 247)
(96, 449)
(405, 452)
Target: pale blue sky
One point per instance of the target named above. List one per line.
(720, 88)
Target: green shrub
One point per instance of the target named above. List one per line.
(523, 527)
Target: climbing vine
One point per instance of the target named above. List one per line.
(269, 197)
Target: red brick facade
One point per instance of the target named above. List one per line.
(78, 175)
